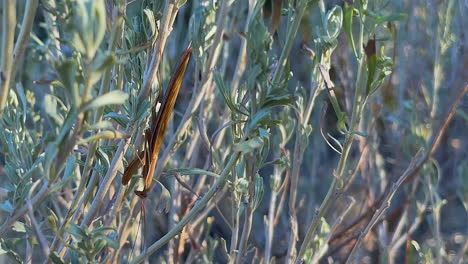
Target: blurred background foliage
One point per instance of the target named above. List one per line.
(293, 139)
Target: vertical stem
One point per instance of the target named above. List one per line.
(152, 68)
(23, 37)
(271, 213)
(250, 169)
(235, 228)
(334, 190)
(6, 63)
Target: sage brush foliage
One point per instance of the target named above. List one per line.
(304, 131)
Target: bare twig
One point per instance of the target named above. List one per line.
(386, 201)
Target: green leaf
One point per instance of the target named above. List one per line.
(380, 19)
(278, 97)
(348, 25)
(259, 191)
(165, 196)
(256, 119)
(142, 110)
(104, 124)
(264, 133)
(334, 22)
(152, 22)
(50, 107)
(180, 3)
(5, 249)
(7, 207)
(249, 145)
(194, 172)
(226, 95)
(103, 62)
(108, 134)
(22, 96)
(102, 230)
(119, 118)
(90, 22)
(19, 227)
(52, 219)
(100, 64)
(370, 51)
(55, 258)
(362, 134)
(112, 242)
(115, 97)
(77, 232)
(103, 157)
(66, 70)
(69, 170)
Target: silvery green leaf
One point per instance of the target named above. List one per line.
(259, 191)
(380, 19)
(108, 134)
(102, 230)
(164, 197)
(69, 169)
(7, 207)
(19, 227)
(264, 133)
(103, 157)
(111, 242)
(194, 171)
(53, 221)
(55, 258)
(122, 120)
(242, 186)
(115, 97)
(50, 155)
(152, 22)
(226, 94)
(90, 19)
(180, 3)
(104, 124)
(359, 133)
(66, 70)
(103, 62)
(22, 96)
(334, 22)
(256, 119)
(77, 232)
(50, 107)
(348, 25)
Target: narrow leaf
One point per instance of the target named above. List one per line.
(111, 98)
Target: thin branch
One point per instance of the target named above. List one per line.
(6, 60)
(23, 37)
(386, 202)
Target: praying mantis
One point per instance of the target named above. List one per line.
(154, 135)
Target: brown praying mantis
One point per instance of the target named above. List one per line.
(154, 135)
